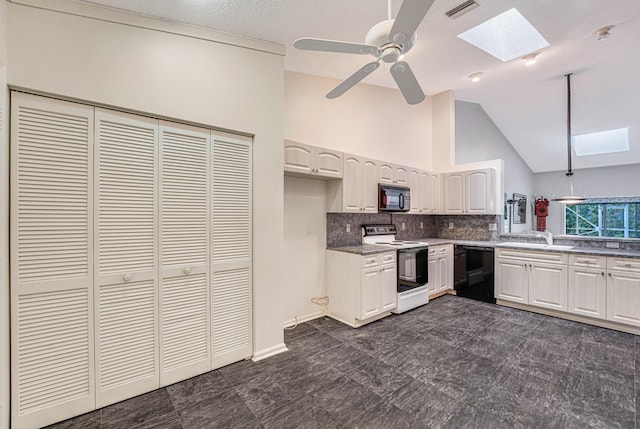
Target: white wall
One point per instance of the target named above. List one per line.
(159, 71)
(305, 241)
(444, 136)
(367, 120)
(478, 139)
(618, 181)
(4, 223)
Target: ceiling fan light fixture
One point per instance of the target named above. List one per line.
(475, 77)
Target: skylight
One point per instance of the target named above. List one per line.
(610, 141)
(506, 36)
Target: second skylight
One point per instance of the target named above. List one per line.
(506, 36)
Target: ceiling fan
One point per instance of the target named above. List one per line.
(387, 41)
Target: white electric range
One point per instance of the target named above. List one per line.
(413, 265)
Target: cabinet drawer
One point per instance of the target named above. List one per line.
(378, 259)
(370, 261)
(438, 250)
(388, 258)
(533, 256)
(588, 261)
(623, 264)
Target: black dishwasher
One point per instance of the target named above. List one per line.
(473, 272)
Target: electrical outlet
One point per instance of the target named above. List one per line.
(404, 226)
(421, 225)
(348, 227)
(450, 225)
(612, 245)
(493, 227)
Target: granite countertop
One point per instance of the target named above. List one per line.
(575, 250)
(370, 249)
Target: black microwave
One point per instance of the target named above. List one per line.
(393, 198)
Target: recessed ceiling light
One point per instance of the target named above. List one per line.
(530, 59)
(609, 141)
(475, 77)
(604, 33)
(506, 36)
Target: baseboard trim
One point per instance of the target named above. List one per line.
(268, 352)
(573, 317)
(301, 319)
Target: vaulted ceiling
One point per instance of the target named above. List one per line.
(527, 103)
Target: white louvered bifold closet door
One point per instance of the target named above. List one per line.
(184, 252)
(126, 284)
(231, 290)
(51, 261)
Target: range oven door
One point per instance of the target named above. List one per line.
(413, 268)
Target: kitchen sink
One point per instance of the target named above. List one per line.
(539, 246)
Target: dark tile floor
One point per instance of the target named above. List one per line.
(453, 363)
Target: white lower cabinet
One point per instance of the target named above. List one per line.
(512, 280)
(599, 287)
(440, 269)
(623, 290)
(361, 289)
(534, 278)
(588, 286)
(548, 286)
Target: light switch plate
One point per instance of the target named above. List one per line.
(421, 225)
(450, 225)
(404, 226)
(348, 227)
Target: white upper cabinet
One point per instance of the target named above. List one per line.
(470, 192)
(415, 184)
(393, 174)
(304, 159)
(358, 191)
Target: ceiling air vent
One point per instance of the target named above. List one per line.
(462, 8)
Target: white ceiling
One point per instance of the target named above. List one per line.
(527, 103)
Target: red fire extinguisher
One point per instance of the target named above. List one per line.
(542, 211)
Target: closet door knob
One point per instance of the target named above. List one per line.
(186, 270)
(127, 277)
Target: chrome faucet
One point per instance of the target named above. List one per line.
(547, 236)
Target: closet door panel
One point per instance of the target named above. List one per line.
(232, 244)
(126, 256)
(52, 341)
(184, 213)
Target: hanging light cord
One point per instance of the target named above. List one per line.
(569, 172)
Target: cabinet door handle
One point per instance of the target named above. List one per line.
(627, 265)
(602, 273)
(610, 275)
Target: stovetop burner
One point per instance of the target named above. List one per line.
(386, 235)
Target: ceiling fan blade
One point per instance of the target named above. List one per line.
(409, 17)
(406, 81)
(310, 44)
(349, 82)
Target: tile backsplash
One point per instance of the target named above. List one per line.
(433, 226)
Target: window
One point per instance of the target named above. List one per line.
(606, 218)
